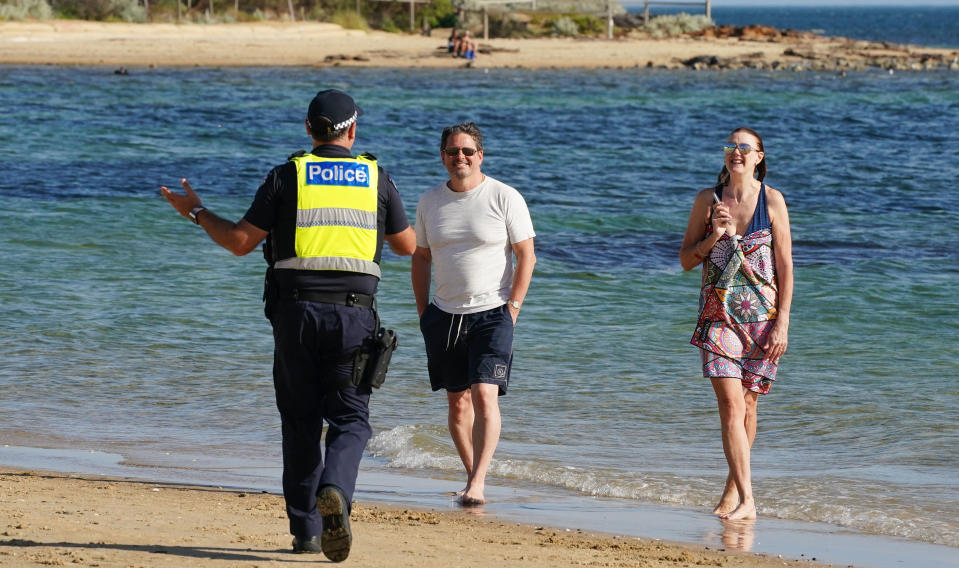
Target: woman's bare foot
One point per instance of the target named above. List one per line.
(727, 503)
(745, 511)
(472, 496)
(470, 501)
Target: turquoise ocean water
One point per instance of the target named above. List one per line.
(125, 331)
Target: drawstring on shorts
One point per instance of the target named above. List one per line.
(459, 328)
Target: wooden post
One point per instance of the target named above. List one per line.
(289, 4)
(709, 10)
(357, 7)
(485, 22)
(236, 10)
(146, 7)
(178, 10)
(211, 9)
(609, 19)
(412, 16)
(646, 13)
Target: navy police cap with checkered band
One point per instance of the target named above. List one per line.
(332, 110)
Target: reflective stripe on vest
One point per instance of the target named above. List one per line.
(336, 203)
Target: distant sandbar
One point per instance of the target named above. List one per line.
(71, 42)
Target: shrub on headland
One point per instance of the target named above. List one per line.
(25, 10)
(104, 10)
(564, 26)
(575, 25)
(678, 24)
(128, 11)
(350, 20)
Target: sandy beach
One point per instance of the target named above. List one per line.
(57, 519)
(68, 42)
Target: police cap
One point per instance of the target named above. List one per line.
(332, 110)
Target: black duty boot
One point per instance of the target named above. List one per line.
(335, 510)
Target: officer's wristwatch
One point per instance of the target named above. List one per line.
(514, 303)
(196, 211)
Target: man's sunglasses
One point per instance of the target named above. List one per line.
(729, 148)
(450, 151)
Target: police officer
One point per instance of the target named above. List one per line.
(324, 215)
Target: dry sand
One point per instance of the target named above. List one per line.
(69, 42)
(54, 519)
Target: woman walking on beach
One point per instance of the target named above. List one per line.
(739, 231)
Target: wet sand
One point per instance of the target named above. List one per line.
(56, 519)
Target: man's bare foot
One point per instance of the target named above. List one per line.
(745, 511)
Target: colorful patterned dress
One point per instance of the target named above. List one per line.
(737, 304)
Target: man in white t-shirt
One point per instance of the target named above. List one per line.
(467, 231)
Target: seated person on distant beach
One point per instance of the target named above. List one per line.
(738, 231)
(463, 46)
(453, 40)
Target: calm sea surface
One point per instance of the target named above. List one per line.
(125, 330)
(934, 26)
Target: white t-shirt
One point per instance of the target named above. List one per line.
(469, 234)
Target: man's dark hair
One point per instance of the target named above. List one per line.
(321, 130)
(468, 128)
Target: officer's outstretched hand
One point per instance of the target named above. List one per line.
(182, 203)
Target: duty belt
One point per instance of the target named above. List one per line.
(338, 298)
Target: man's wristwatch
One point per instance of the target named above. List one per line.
(196, 211)
(514, 303)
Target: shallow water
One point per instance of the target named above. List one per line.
(125, 330)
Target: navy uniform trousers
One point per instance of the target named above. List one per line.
(311, 361)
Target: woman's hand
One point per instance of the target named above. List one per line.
(722, 220)
(777, 340)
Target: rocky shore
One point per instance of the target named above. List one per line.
(806, 51)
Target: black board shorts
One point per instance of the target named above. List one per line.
(465, 349)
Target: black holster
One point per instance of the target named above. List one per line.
(372, 359)
(270, 291)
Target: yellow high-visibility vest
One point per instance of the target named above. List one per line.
(336, 203)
